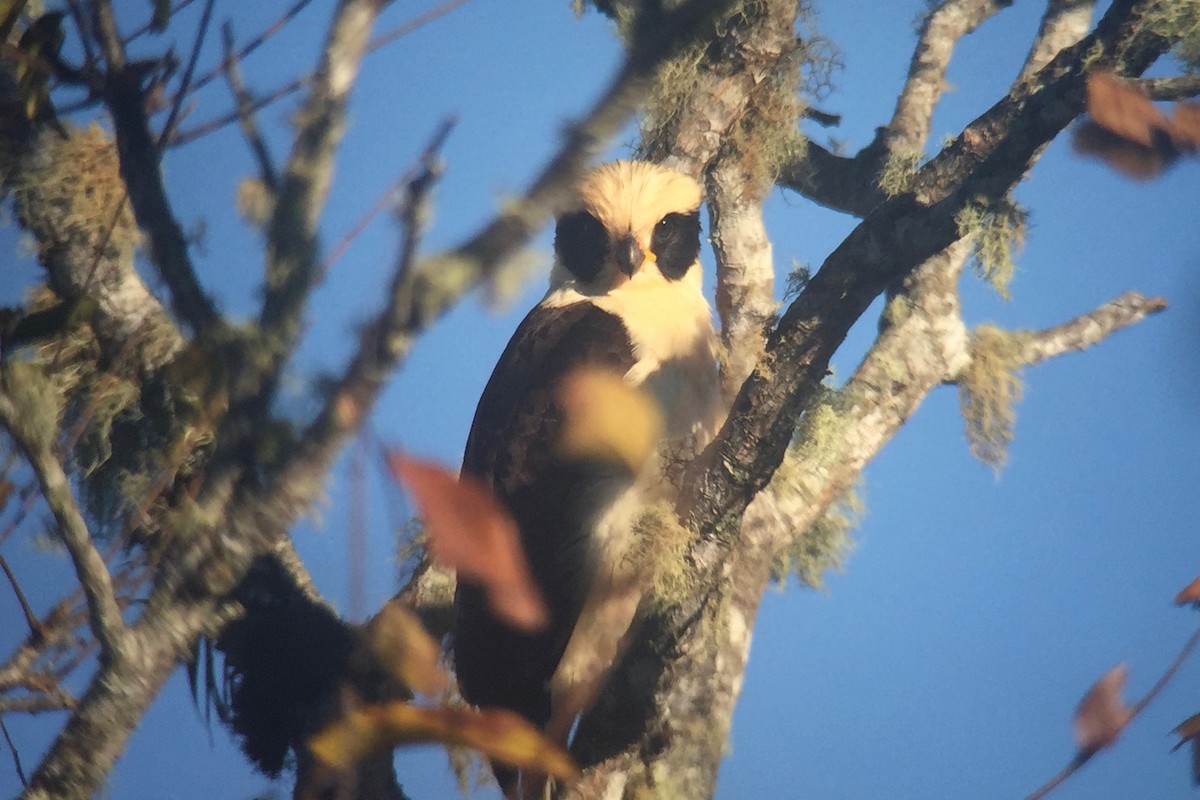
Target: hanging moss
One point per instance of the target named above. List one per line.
(1179, 22)
(899, 170)
(660, 541)
(824, 546)
(827, 541)
(988, 391)
(997, 228)
(80, 176)
(766, 135)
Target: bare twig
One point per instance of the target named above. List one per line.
(1090, 328)
(245, 112)
(190, 70)
(81, 27)
(386, 198)
(1085, 755)
(419, 21)
(205, 128)
(103, 611)
(246, 49)
(12, 748)
(149, 26)
(35, 625)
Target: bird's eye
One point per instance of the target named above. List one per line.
(581, 244)
(676, 243)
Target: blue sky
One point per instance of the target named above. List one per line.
(975, 610)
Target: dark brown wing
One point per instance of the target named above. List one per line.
(511, 448)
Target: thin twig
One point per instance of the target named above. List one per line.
(245, 111)
(149, 26)
(85, 33)
(420, 21)
(188, 72)
(12, 748)
(386, 198)
(35, 626)
(245, 50)
(1085, 755)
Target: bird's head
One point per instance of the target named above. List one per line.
(631, 221)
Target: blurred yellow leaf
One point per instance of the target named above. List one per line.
(470, 532)
(605, 417)
(498, 733)
(1102, 714)
(400, 644)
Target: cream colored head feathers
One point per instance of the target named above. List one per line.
(632, 221)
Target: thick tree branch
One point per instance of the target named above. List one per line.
(953, 19)
(1063, 24)
(849, 184)
(103, 611)
(292, 252)
(745, 270)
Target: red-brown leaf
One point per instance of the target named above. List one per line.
(1189, 594)
(471, 533)
(1130, 133)
(1185, 126)
(1102, 714)
(1125, 111)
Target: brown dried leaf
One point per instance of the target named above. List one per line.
(1189, 594)
(1125, 111)
(605, 417)
(470, 532)
(1188, 730)
(399, 643)
(1102, 714)
(1130, 133)
(497, 733)
(1129, 158)
(1185, 126)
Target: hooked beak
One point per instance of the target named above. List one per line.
(629, 255)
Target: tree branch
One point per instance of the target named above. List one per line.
(1063, 24)
(141, 169)
(745, 271)
(1088, 329)
(1182, 87)
(104, 613)
(953, 19)
(849, 184)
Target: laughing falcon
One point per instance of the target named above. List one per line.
(625, 295)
